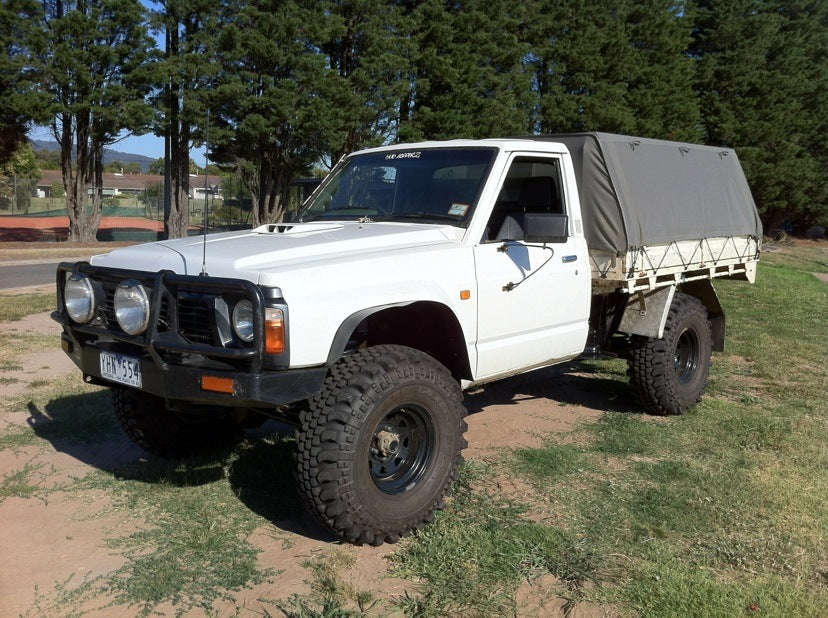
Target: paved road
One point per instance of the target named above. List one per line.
(23, 275)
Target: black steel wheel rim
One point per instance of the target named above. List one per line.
(687, 356)
(401, 449)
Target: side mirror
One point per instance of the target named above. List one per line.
(545, 227)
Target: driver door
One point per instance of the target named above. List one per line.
(533, 299)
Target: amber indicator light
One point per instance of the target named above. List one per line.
(274, 331)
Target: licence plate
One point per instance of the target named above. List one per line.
(121, 369)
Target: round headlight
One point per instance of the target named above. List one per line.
(79, 298)
(131, 307)
(243, 320)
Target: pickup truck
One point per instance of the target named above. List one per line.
(412, 273)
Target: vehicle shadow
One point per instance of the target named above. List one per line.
(85, 428)
(575, 383)
(259, 468)
(262, 477)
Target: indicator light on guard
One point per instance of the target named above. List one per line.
(218, 384)
(274, 331)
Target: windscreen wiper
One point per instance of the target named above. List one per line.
(349, 212)
(425, 215)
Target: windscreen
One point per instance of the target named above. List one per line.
(438, 185)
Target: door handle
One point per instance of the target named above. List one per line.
(569, 258)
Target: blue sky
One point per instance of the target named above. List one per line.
(147, 145)
(152, 146)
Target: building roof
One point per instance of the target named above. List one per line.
(126, 182)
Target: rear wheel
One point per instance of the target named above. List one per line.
(669, 375)
(379, 447)
(166, 433)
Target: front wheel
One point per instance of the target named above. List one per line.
(166, 433)
(669, 375)
(379, 447)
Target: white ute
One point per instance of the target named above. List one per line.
(412, 273)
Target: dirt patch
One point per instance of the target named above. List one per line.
(35, 324)
(537, 599)
(525, 420)
(36, 368)
(48, 288)
(47, 541)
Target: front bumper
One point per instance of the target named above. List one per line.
(183, 382)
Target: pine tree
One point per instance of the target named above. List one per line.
(467, 77)
(90, 68)
(580, 63)
(364, 43)
(183, 78)
(660, 89)
(763, 82)
(806, 23)
(22, 100)
(620, 67)
(269, 99)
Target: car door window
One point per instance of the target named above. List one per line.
(531, 185)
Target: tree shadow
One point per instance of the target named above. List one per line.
(576, 383)
(29, 234)
(259, 468)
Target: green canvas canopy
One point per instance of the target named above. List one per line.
(636, 191)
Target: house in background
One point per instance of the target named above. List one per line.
(115, 185)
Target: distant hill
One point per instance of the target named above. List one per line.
(109, 155)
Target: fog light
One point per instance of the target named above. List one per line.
(79, 298)
(132, 307)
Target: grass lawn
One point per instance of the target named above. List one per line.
(720, 512)
(14, 307)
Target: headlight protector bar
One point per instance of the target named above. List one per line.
(166, 288)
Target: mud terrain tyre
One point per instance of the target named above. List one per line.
(378, 449)
(669, 375)
(148, 423)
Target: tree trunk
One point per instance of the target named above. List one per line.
(179, 212)
(250, 175)
(76, 175)
(97, 194)
(177, 221)
(280, 198)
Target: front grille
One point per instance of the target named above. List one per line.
(195, 320)
(109, 306)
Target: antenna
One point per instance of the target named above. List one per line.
(203, 272)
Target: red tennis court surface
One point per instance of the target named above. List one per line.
(57, 228)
